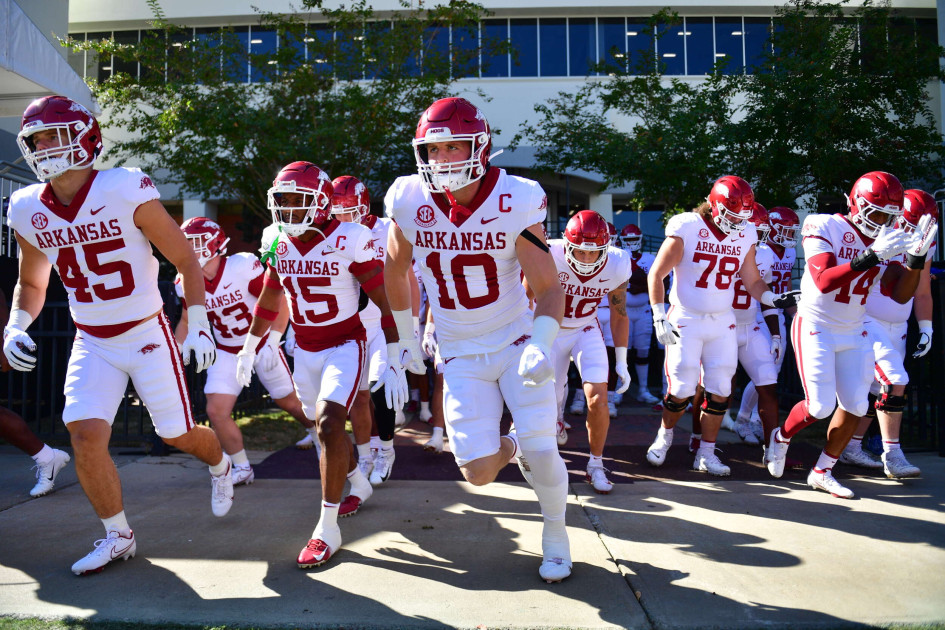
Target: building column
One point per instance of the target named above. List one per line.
(603, 204)
(198, 208)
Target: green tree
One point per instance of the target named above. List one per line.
(344, 90)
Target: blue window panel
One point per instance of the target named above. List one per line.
(179, 60)
(208, 38)
(319, 44)
(582, 43)
(612, 42)
(464, 51)
(756, 38)
(494, 32)
(236, 67)
(128, 67)
(376, 57)
(729, 42)
(700, 53)
(262, 43)
(670, 48)
(348, 46)
(524, 38)
(641, 51)
(103, 65)
(436, 48)
(552, 41)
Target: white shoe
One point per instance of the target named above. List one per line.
(562, 434)
(577, 403)
(554, 569)
(618, 398)
(597, 477)
(383, 465)
(221, 491)
(434, 445)
(896, 466)
(366, 464)
(647, 398)
(243, 475)
(113, 547)
(46, 474)
(425, 414)
(854, 455)
(555, 553)
(308, 441)
(825, 481)
(612, 409)
(400, 419)
(776, 455)
(727, 423)
(745, 432)
(656, 454)
(757, 428)
(709, 462)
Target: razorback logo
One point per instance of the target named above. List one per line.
(544, 202)
(848, 237)
(703, 233)
(371, 244)
(148, 349)
(731, 326)
(282, 249)
(425, 216)
(39, 221)
(146, 182)
(521, 340)
(863, 334)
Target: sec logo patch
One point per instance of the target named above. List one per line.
(426, 217)
(848, 237)
(39, 221)
(282, 249)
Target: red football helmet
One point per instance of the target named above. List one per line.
(80, 140)
(785, 226)
(206, 237)
(759, 218)
(731, 199)
(612, 233)
(350, 197)
(314, 186)
(588, 232)
(457, 120)
(916, 204)
(875, 201)
(631, 237)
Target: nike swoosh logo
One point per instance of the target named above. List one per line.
(816, 267)
(604, 280)
(227, 286)
(484, 221)
(815, 332)
(116, 553)
(97, 210)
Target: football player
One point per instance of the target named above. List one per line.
(638, 310)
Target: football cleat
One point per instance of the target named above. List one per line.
(757, 428)
(46, 474)
(243, 475)
(383, 465)
(709, 462)
(315, 553)
(349, 506)
(647, 398)
(597, 477)
(113, 547)
(896, 466)
(745, 432)
(425, 414)
(694, 443)
(656, 454)
(612, 409)
(854, 455)
(366, 464)
(221, 491)
(776, 454)
(562, 434)
(824, 480)
(554, 569)
(577, 403)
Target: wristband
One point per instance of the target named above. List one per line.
(865, 260)
(416, 323)
(544, 331)
(274, 338)
(915, 262)
(271, 282)
(659, 311)
(387, 321)
(251, 343)
(19, 319)
(429, 330)
(377, 280)
(620, 352)
(404, 322)
(265, 313)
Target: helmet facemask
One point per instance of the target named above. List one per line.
(201, 242)
(729, 220)
(313, 203)
(583, 268)
(451, 176)
(866, 215)
(68, 155)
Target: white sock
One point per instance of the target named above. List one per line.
(424, 405)
(376, 442)
(415, 395)
(642, 370)
(218, 469)
(825, 462)
(891, 445)
(438, 433)
(240, 459)
(360, 486)
(749, 401)
(313, 431)
(708, 447)
(595, 461)
(364, 450)
(328, 521)
(667, 433)
(44, 456)
(118, 523)
(550, 481)
(387, 445)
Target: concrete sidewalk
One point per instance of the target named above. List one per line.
(427, 554)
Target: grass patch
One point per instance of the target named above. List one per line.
(270, 430)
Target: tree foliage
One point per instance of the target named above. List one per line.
(839, 92)
(344, 91)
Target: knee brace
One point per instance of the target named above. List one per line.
(871, 407)
(675, 407)
(715, 405)
(889, 403)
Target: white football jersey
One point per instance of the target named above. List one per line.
(104, 260)
(641, 264)
(846, 306)
(782, 269)
(230, 298)
(470, 269)
(883, 307)
(371, 314)
(705, 277)
(319, 278)
(582, 294)
(746, 307)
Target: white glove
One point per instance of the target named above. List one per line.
(923, 237)
(891, 243)
(19, 348)
(246, 359)
(780, 300)
(269, 355)
(925, 339)
(393, 379)
(535, 365)
(623, 374)
(406, 330)
(666, 333)
(429, 340)
(290, 341)
(776, 346)
(199, 339)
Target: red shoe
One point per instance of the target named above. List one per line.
(315, 553)
(349, 506)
